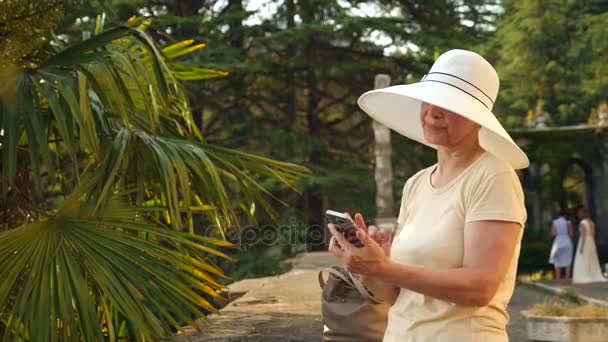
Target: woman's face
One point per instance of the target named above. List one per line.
(444, 128)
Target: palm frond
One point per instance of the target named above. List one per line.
(108, 128)
(191, 174)
(79, 262)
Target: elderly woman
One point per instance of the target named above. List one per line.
(450, 268)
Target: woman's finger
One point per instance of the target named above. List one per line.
(338, 236)
(360, 222)
(335, 243)
(373, 233)
(387, 236)
(364, 237)
(334, 246)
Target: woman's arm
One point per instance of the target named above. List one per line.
(488, 249)
(570, 229)
(381, 289)
(553, 230)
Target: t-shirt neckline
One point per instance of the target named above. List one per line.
(455, 179)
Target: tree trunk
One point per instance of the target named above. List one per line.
(291, 52)
(236, 34)
(236, 40)
(314, 201)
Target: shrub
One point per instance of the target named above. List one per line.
(535, 249)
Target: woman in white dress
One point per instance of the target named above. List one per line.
(561, 250)
(586, 263)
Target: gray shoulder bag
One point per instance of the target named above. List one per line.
(350, 311)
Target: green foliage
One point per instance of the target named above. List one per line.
(295, 76)
(552, 51)
(556, 149)
(254, 264)
(86, 272)
(299, 75)
(103, 131)
(80, 93)
(21, 30)
(534, 253)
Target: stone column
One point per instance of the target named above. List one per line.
(600, 194)
(534, 192)
(383, 173)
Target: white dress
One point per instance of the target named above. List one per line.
(561, 250)
(586, 264)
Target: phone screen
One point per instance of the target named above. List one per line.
(345, 225)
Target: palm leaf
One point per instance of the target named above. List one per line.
(107, 257)
(189, 73)
(65, 263)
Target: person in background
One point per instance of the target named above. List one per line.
(561, 250)
(586, 267)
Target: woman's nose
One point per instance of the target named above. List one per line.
(436, 114)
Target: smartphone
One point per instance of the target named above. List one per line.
(345, 225)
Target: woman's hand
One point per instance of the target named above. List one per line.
(367, 260)
(382, 237)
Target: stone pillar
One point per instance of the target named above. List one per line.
(600, 193)
(601, 201)
(535, 202)
(383, 172)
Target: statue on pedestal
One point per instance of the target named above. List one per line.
(530, 120)
(541, 117)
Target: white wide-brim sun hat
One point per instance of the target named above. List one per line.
(460, 81)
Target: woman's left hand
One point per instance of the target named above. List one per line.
(366, 260)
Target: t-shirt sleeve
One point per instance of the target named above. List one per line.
(501, 198)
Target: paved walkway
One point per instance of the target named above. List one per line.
(524, 298)
(287, 308)
(274, 309)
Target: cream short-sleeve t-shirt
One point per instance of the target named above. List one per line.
(431, 234)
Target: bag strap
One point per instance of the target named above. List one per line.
(337, 274)
(363, 290)
(351, 280)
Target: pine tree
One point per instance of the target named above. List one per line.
(551, 51)
(296, 75)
